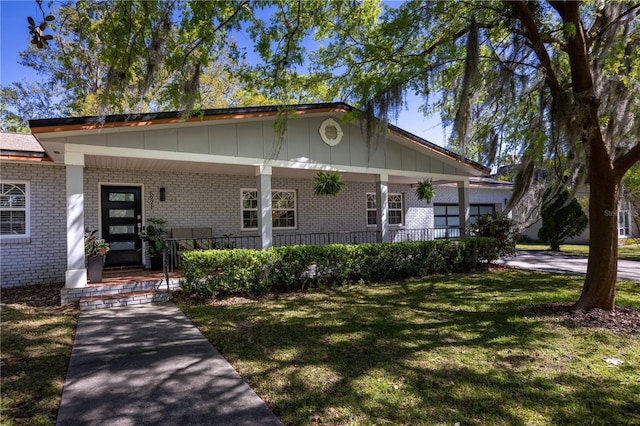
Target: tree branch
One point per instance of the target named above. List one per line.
(624, 162)
(526, 18)
(581, 79)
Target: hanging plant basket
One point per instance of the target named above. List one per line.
(328, 183)
(425, 190)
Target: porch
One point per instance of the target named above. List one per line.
(186, 239)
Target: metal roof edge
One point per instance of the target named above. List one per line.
(126, 118)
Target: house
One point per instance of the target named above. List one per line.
(627, 227)
(218, 171)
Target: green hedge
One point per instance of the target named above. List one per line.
(241, 271)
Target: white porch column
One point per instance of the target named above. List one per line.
(382, 207)
(265, 223)
(464, 210)
(76, 274)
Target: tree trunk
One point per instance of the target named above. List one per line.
(599, 289)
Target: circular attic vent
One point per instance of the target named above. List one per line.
(331, 132)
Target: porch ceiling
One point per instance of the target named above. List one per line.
(173, 166)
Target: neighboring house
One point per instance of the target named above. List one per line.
(626, 226)
(219, 171)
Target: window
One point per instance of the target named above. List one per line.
(249, 209)
(477, 210)
(283, 209)
(446, 216)
(283, 205)
(371, 209)
(14, 209)
(624, 223)
(395, 210)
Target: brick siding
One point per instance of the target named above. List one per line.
(41, 258)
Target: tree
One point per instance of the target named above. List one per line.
(23, 101)
(562, 217)
(113, 57)
(555, 84)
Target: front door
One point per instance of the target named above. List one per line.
(121, 221)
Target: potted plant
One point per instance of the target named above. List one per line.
(328, 183)
(154, 235)
(95, 250)
(425, 190)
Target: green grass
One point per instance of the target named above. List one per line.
(460, 348)
(626, 252)
(36, 346)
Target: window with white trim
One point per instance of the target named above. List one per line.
(624, 223)
(14, 209)
(283, 209)
(249, 209)
(395, 209)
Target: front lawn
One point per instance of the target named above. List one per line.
(36, 339)
(473, 349)
(626, 252)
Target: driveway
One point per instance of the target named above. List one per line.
(567, 264)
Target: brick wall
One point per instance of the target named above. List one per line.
(201, 200)
(42, 258)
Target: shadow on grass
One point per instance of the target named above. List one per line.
(36, 345)
(446, 349)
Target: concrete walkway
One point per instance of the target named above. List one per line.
(567, 264)
(149, 365)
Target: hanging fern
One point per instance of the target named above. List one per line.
(328, 183)
(425, 190)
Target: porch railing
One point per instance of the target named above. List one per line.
(424, 234)
(325, 238)
(177, 246)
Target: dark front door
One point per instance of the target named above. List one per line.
(121, 219)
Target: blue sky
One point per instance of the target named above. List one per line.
(14, 37)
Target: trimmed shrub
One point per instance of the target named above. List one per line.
(212, 273)
(500, 227)
(562, 217)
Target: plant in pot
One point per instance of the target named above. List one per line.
(95, 250)
(425, 190)
(328, 183)
(154, 235)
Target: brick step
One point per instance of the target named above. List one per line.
(105, 301)
(128, 287)
(117, 287)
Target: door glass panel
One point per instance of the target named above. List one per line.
(122, 229)
(122, 245)
(121, 196)
(118, 213)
